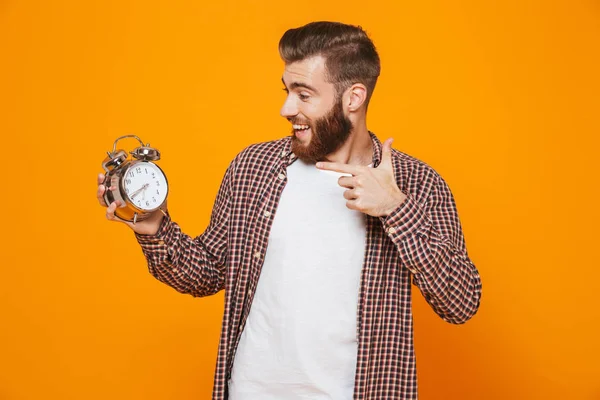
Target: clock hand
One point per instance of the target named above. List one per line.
(146, 186)
(138, 191)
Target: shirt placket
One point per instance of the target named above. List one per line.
(364, 316)
(365, 301)
(277, 180)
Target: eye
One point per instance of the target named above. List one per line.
(303, 96)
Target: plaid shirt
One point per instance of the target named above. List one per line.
(422, 238)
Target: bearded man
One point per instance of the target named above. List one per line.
(316, 237)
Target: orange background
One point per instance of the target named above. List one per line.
(500, 97)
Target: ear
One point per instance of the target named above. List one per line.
(355, 98)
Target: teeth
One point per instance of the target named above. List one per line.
(300, 127)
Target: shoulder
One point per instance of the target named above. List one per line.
(408, 163)
(414, 175)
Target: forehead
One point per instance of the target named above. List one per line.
(310, 70)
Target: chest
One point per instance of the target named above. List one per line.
(311, 212)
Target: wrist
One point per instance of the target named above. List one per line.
(397, 201)
(152, 226)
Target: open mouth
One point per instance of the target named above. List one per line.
(301, 131)
(300, 128)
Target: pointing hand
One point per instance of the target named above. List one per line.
(372, 191)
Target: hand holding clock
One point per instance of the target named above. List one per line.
(148, 226)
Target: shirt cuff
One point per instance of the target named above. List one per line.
(404, 220)
(162, 240)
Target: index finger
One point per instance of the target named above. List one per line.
(339, 167)
(100, 179)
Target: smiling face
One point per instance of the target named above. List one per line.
(315, 110)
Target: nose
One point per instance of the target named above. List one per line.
(289, 108)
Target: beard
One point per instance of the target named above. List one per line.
(328, 134)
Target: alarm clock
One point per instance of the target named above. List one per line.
(139, 184)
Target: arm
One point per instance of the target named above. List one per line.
(194, 266)
(427, 233)
(431, 245)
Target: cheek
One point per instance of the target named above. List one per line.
(315, 112)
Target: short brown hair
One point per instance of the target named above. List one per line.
(350, 56)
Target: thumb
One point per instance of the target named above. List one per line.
(386, 154)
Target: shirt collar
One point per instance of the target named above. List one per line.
(285, 152)
(376, 150)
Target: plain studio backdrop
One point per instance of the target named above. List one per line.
(500, 97)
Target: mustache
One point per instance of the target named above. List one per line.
(295, 121)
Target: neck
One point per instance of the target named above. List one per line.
(357, 150)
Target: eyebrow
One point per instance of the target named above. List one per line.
(295, 85)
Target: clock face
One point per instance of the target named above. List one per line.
(145, 185)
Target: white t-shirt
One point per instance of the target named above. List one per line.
(299, 341)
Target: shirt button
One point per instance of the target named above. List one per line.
(281, 176)
(257, 254)
(267, 214)
(392, 230)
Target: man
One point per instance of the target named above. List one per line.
(335, 225)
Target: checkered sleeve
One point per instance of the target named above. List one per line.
(194, 266)
(429, 239)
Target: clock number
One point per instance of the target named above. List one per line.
(147, 203)
(157, 183)
(154, 199)
(130, 174)
(146, 169)
(138, 170)
(157, 192)
(128, 181)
